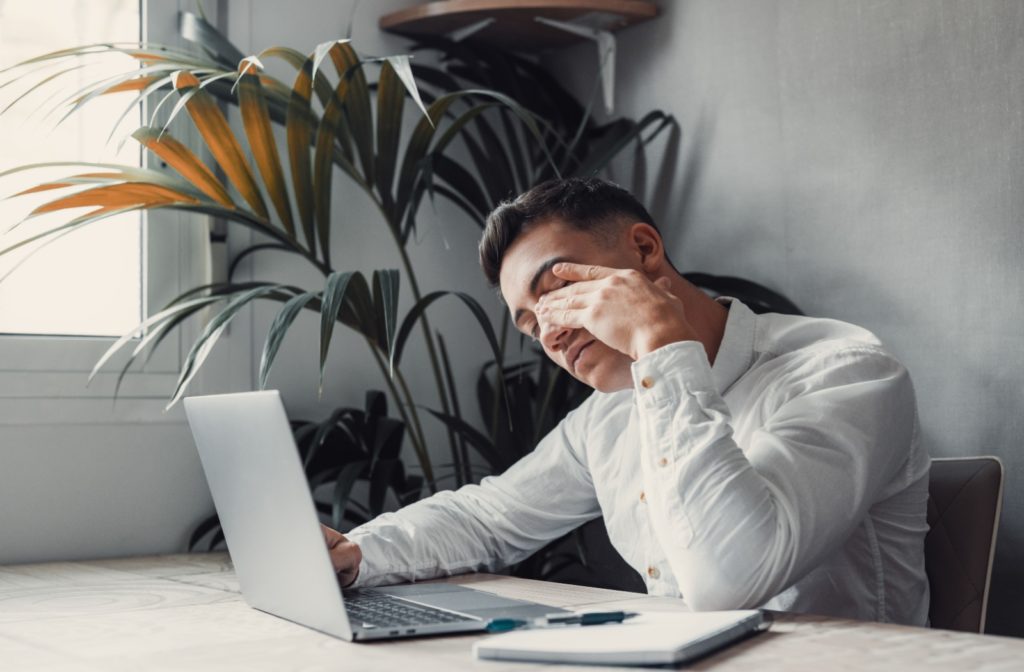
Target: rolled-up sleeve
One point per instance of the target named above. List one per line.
(482, 527)
(740, 524)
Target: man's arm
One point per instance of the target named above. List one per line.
(739, 526)
(478, 527)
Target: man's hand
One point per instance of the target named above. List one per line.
(345, 555)
(621, 308)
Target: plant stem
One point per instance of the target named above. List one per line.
(498, 387)
(428, 469)
(425, 325)
(415, 430)
(460, 459)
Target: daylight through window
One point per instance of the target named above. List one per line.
(87, 283)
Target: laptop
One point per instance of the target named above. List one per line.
(273, 533)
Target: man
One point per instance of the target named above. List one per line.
(739, 460)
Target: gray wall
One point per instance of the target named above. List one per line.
(863, 158)
(860, 157)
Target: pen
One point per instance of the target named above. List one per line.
(586, 618)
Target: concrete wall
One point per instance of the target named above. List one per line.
(863, 158)
(860, 157)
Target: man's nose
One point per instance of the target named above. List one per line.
(554, 338)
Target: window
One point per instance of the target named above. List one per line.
(90, 282)
(46, 354)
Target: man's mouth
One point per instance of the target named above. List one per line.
(575, 355)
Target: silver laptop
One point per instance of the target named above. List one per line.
(273, 534)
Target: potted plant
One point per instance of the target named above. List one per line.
(516, 125)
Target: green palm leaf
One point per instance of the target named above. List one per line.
(332, 125)
(400, 64)
(343, 489)
(414, 314)
(357, 103)
(298, 61)
(474, 438)
(299, 131)
(197, 30)
(212, 332)
(385, 302)
(390, 102)
(182, 99)
(278, 328)
(334, 296)
(146, 325)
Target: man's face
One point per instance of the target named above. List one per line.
(526, 276)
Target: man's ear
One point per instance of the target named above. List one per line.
(646, 242)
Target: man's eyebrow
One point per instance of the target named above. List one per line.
(541, 270)
(535, 281)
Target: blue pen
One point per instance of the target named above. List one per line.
(586, 618)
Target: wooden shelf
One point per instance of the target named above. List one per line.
(514, 25)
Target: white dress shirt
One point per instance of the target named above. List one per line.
(789, 475)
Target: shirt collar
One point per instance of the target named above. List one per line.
(736, 351)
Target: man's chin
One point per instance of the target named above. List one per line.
(606, 381)
(611, 387)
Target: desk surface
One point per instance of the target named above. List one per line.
(185, 612)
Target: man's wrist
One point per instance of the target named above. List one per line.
(651, 340)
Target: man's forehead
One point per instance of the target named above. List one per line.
(533, 246)
(523, 290)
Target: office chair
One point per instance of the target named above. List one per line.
(965, 496)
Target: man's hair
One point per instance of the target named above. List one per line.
(586, 204)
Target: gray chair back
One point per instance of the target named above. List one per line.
(964, 500)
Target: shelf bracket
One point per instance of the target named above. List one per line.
(605, 42)
(467, 31)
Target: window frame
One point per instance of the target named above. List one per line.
(43, 378)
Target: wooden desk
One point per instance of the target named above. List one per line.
(185, 612)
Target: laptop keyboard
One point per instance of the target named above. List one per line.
(376, 609)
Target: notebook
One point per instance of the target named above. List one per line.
(654, 638)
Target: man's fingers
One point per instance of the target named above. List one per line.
(554, 302)
(576, 288)
(573, 318)
(332, 536)
(577, 272)
(345, 555)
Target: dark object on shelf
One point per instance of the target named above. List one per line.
(513, 22)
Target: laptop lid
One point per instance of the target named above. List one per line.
(262, 497)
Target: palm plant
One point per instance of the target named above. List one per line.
(338, 129)
(344, 123)
(512, 121)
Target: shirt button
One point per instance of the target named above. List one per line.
(663, 462)
(653, 572)
(647, 382)
(643, 497)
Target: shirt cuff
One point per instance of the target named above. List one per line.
(664, 375)
(365, 569)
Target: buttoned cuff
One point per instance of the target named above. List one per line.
(664, 375)
(365, 570)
